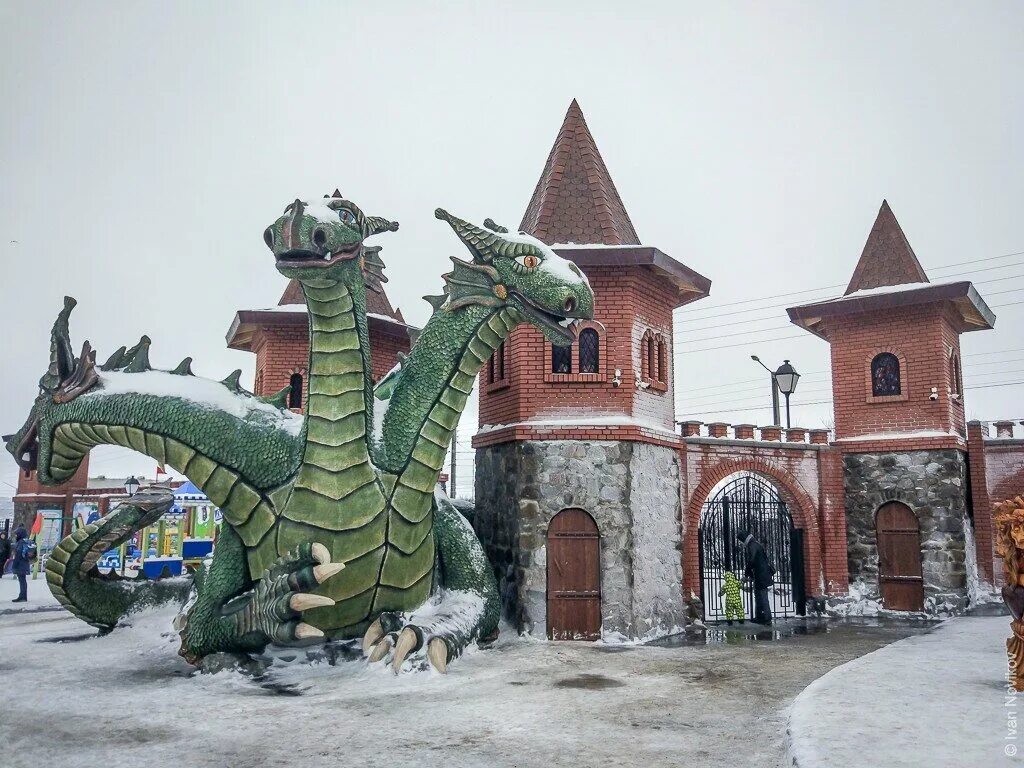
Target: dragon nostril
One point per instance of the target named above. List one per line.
(570, 304)
(268, 237)
(319, 237)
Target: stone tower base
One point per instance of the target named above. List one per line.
(632, 491)
(934, 485)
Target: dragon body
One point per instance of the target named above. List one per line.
(333, 527)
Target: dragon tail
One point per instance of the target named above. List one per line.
(98, 600)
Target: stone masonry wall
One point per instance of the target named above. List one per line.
(934, 485)
(632, 492)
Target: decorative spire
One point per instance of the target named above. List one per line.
(575, 199)
(888, 258)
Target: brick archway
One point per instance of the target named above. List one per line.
(801, 506)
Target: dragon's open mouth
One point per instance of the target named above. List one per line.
(305, 258)
(559, 325)
(26, 452)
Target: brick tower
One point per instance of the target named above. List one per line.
(279, 336)
(577, 471)
(899, 422)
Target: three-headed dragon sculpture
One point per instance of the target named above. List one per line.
(332, 528)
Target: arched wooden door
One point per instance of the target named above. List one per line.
(899, 558)
(574, 577)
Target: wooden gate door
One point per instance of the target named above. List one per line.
(574, 577)
(899, 558)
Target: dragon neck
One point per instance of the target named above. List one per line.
(336, 471)
(435, 382)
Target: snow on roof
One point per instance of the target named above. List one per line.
(886, 289)
(301, 309)
(608, 420)
(594, 246)
(203, 392)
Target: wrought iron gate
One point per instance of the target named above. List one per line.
(751, 503)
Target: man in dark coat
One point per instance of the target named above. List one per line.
(5, 551)
(22, 565)
(761, 573)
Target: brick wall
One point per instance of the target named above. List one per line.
(627, 302)
(284, 349)
(981, 504)
(921, 337)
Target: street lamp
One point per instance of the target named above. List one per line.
(131, 485)
(783, 380)
(787, 377)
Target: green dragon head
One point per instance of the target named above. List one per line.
(519, 271)
(66, 378)
(324, 238)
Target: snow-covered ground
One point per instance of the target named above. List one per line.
(934, 700)
(74, 699)
(39, 595)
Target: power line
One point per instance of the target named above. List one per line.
(760, 408)
(747, 343)
(996, 352)
(774, 314)
(840, 285)
(998, 384)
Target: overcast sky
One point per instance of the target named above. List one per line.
(144, 147)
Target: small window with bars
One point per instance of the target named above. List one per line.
(590, 351)
(561, 359)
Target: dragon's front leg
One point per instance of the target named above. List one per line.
(465, 608)
(229, 613)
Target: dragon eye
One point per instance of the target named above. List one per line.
(347, 216)
(529, 261)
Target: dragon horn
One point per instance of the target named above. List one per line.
(495, 227)
(62, 358)
(377, 224)
(482, 243)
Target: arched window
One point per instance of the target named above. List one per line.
(885, 375)
(561, 359)
(590, 351)
(662, 360)
(955, 381)
(295, 394)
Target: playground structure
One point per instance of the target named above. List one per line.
(175, 544)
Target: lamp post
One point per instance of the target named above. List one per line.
(784, 380)
(131, 485)
(787, 377)
(777, 420)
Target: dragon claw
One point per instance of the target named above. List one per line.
(302, 601)
(437, 654)
(407, 641)
(305, 631)
(320, 553)
(323, 572)
(380, 649)
(373, 634)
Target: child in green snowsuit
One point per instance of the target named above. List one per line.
(733, 600)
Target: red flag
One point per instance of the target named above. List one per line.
(160, 470)
(37, 524)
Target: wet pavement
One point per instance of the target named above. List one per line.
(721, 633)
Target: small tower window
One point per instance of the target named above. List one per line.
(956, 384)
(590, 351)
(561, 359)
(295, 394)
(885, 375)
(496, 365)
(662, 360)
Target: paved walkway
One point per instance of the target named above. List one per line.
(934, 700)
(127, 699)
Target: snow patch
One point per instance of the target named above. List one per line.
(203, 392)
(609, 420)
(898, 435)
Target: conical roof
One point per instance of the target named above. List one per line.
(887, 258)
(575, 200)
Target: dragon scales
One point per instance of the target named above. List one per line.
(333, 525)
